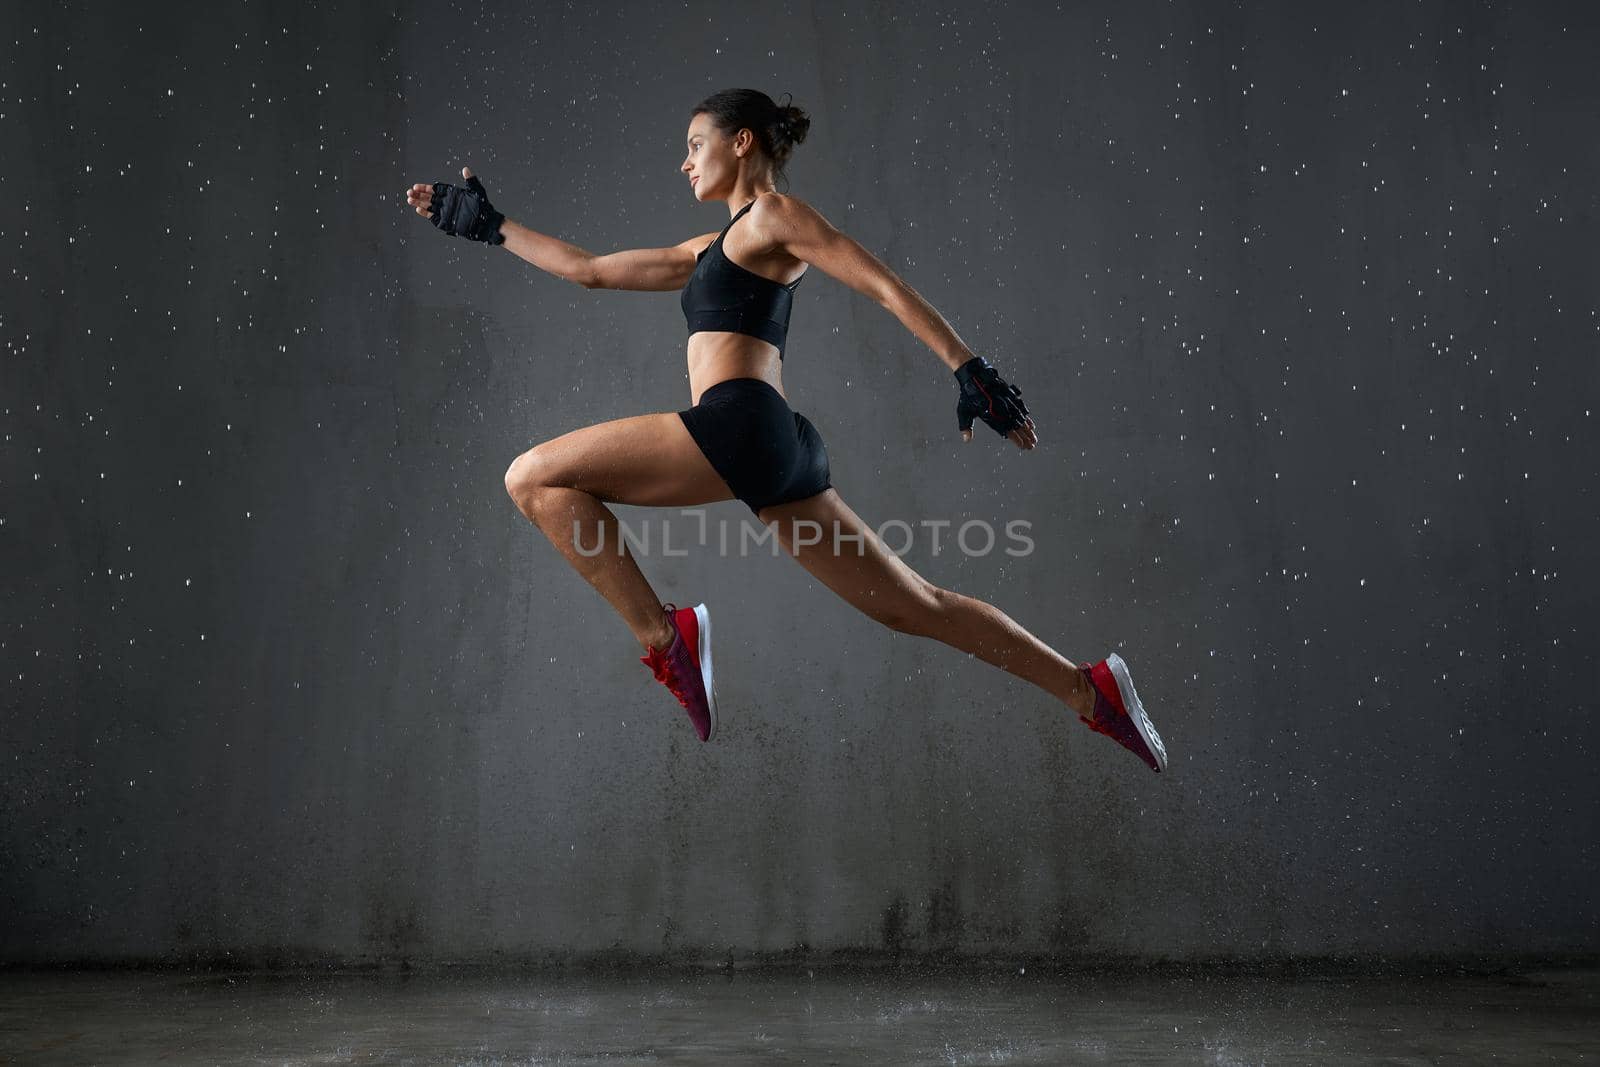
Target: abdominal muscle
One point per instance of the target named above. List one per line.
(716, 356)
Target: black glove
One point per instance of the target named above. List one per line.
(464, 211)
(985, 394)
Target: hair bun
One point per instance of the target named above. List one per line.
(793, 122)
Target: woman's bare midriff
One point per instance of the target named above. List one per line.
(716, 356)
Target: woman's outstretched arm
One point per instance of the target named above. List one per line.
(800, 230)
(653, 269)
(797, 228)
(550, 254)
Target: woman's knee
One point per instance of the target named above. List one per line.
(529, 473)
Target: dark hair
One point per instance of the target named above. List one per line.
(776, 128)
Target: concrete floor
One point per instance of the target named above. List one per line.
(797, 1016)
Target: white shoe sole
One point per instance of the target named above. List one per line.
(702, 617)
(1130, 700)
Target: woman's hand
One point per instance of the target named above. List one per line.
(460, 211)
(420, 196)
(987, 396)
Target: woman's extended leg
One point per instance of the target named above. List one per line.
(881, 584)
(646, 460)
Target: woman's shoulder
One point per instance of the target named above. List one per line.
(776, 203)
(781, 215)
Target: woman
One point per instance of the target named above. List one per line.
(739, 439)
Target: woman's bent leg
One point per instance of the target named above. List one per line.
(646, 460)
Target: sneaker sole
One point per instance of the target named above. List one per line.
(1130, 700)
(702, 616)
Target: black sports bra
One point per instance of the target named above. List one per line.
(723, 296)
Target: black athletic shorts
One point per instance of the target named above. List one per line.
(766, 452)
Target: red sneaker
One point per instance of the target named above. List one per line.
(685, 666)
(1119, 715)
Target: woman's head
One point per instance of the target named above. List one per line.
(740, 131)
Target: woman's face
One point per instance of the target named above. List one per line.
(711, 164)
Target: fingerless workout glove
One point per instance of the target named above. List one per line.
(988, 396)
(464, 211)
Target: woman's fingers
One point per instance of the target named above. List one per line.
(420, 197)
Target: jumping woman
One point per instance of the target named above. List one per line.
(740, 439)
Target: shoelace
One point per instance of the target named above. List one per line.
(661, 666)
(1099, 729)
(1094, 724)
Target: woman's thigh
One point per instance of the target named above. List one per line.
(645, 460)
(841, 551)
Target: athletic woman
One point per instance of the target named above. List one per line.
(739, 438)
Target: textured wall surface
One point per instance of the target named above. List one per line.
(1304, 301)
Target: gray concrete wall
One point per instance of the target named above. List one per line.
(1303, 300)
